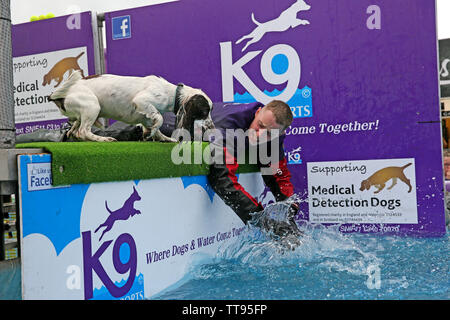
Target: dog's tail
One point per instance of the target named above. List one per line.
(61, 92)
(406, 166)
(78, 56)
(107, 208)
(254, 20)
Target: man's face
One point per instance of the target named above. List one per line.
(264, 127)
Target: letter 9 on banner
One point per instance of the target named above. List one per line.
(291, 75)
(92, 263)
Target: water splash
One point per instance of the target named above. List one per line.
(325, 246)
(327, 265)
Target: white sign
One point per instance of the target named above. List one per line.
(37, 76)
(369, 191)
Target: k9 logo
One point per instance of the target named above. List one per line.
(92, 263)
(234, 69)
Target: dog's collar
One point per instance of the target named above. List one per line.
(176, 107)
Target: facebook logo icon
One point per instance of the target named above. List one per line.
(121, 27)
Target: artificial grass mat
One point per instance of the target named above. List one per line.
(90, 162)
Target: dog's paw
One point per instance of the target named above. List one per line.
(109, 139)
(169, 140)
(146, 136)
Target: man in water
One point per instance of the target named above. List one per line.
(262, 124)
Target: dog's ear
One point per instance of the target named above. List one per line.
(363, 185)
(366, 184)
(198, 107)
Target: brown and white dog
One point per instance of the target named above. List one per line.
(60, 68)
(379, 178)
(133, 100)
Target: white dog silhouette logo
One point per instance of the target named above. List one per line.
(287, 19)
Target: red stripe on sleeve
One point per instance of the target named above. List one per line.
(232, 166)
(283, 178)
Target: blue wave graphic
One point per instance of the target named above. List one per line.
(136, 292)
(300, 103)
(202, 181)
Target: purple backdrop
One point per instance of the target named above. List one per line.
(53, 35)
(355, 74)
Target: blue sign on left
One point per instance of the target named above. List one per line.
(121, 27)
(39, 176)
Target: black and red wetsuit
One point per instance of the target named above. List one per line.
(222, 176)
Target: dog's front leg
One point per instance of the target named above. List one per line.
(151, 119)
(394, 182)
(58, 80)
(162, 138)
(152, 123)
(379, 187)
(299, 22)
(74, 128)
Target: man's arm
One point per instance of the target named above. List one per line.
(278, 178)
(222, 178)
(279, 182)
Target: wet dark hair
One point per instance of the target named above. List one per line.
(197, 108)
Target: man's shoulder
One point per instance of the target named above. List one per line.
(234, 115)
(236, 107)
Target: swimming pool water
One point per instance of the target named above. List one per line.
(328, 265)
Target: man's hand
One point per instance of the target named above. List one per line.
(286, 232)
(293, 210)
(292, 213)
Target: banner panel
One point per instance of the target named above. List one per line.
(361, 79)
(118, 240)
